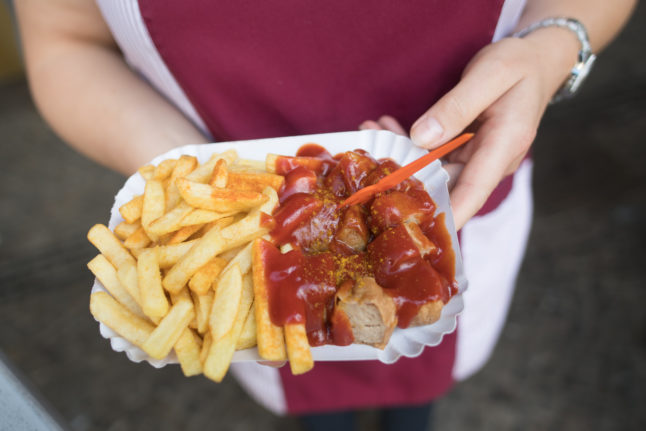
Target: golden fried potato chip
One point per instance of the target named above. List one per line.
(254, 181)
(247, 337)
(153, 298)
(187, 348)
(185, 165)
(170, 329)
(147, 172)
(216, 199)
(298, 348)
(131, 211)
(138, 239)
(216, 241)
(201, 282)
(164, 169)
(110, 246)
(115, 316)
(225, 340)
(107, 275)
(124, 229)
(171, 221)
(220, 174)
(203, 172)
(203, 304)
(270, 339)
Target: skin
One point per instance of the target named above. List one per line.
(73, 62)
(502, 96)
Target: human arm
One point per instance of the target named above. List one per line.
(502, 96)
(88, 94)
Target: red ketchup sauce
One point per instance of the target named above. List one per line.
(331, 246)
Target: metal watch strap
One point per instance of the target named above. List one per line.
(585, 58)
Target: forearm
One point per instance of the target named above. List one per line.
(89, 95)
(504, 91)
(97, 105)
(603, 19)
(556, 47)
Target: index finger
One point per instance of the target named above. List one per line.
(489, 163)
(485, 81)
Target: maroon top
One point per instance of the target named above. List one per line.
(257, 69)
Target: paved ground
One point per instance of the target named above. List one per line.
(573, 354)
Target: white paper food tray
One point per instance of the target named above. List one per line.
(408, 342)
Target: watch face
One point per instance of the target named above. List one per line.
(580, 72)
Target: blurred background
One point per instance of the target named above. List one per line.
(573, 353)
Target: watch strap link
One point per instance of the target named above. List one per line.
(585, 58)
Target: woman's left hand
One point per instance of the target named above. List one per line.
(501, 96)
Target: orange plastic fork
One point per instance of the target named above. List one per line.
(391, 180)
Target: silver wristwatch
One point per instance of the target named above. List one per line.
(585, 58)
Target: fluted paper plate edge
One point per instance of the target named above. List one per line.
(404, 342)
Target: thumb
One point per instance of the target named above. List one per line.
(483, 83)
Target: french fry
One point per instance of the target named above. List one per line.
(153, 299)
(242, 258)
(247, 164)
(131, 211)
(170, 221)
(230, 254)
(285, 248)
(215, 199)
(220, 174)
(164, 169)
(197, 280)
(247, 337)
(138, 239)
(203, 304)
(185, 165)
(270, 163)
(201, 282)
(225, 303)
(124, 229)
(182, 234)
(254, 181)
(164, 238)
(271, 343)
(170, 254)
(225, 335)
(169, 330)
(206, 346)
(110, 246)
(297, 344)
(312, 163)
(153, 206)
(107, 275)
(115, 316)
(127, 275)
(298, 348)
(220, 353)
(147, 172)
(216, 241)
(202, 173)
(199, 216)
(188, 349)
(219, 223)
(184, 295)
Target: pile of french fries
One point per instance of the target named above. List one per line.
(181, 272)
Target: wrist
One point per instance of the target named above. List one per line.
(556, 53)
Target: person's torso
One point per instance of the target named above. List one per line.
(286, 67)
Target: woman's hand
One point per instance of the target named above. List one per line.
(501, 96)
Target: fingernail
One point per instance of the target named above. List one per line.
(426, 132)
